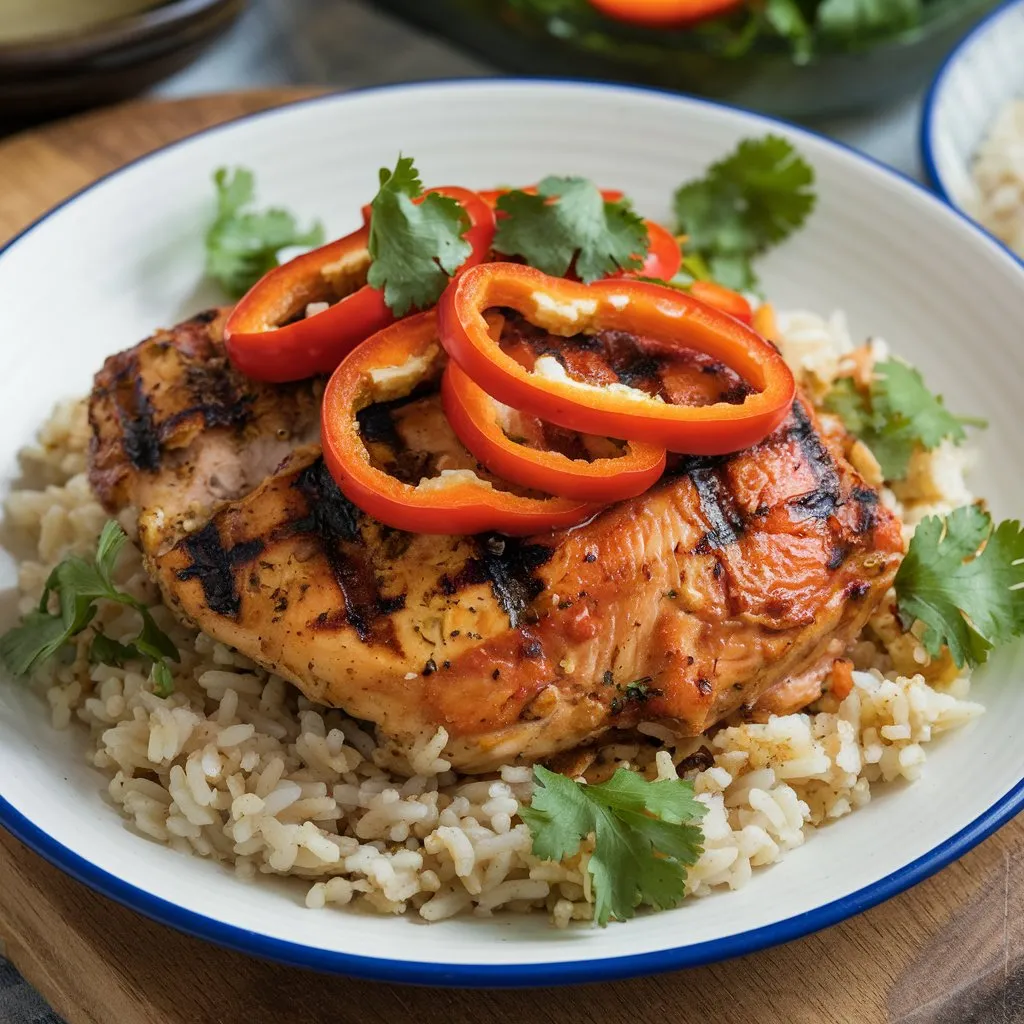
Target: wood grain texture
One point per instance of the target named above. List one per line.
(949, 950)
(39, 168)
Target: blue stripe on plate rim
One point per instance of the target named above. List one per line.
(926, 130)
(484, 975)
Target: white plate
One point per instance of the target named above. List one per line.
(102, 270)
(982, 74)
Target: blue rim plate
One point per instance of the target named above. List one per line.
(945, 101)
(962, 835)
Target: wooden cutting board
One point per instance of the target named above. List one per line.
(948, 950)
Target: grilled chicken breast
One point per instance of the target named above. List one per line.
(735, 580)
(176, 428)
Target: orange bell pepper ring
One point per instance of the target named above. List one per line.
(725, 299)
(390, 365)
(476, 419)
(666, 324)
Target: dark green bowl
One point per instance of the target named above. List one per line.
(566, 38)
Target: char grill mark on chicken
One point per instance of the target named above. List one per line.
(175, 428)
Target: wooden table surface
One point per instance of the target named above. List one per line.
(949, 950)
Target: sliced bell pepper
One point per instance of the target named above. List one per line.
(723, 298)
(475, 418)
(269, 337)
(763, 321)
(664, 13)
(390, 365)
(664, 323)
(663, 258)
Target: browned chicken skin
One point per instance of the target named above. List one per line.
(175, 428)
(733, 579)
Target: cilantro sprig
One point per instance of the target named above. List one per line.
(785, 18)
(567, 224)
(646, 834)
(79, 584)
(865, 20)
(962, 577)
(415, 246)
(242, 244)
(746, 203)
(896, 415)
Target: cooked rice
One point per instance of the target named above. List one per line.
(997, 200)
(235, 765)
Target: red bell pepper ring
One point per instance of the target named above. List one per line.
(269, 337)
(664, 13)
(387, 366)
(474, 416)
(663, 257)
(725, 299)
(663, 321)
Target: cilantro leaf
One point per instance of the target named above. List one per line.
(235, 192)
(672, 801)
(163, 681)
(849, 403)
(108, 651)
(961, 577)
(901, 396)
(893, 450)
(568, 223)
(683, 844)
(152, 640)
(896, 415)
(891, 447)
(243, 244)
(78, 585)
(617, 868)
(108, 547)
(788, 21)
(745, 203)
(38, 637)
(646, 834)
(74, 579)
(415, 246)
(559, 815)
(854, 20)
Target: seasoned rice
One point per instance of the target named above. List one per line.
(237, 766)
(996, 199)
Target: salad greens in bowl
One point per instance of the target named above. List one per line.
(796, 58)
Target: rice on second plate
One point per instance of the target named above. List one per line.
(998, 177)
(237, 766)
